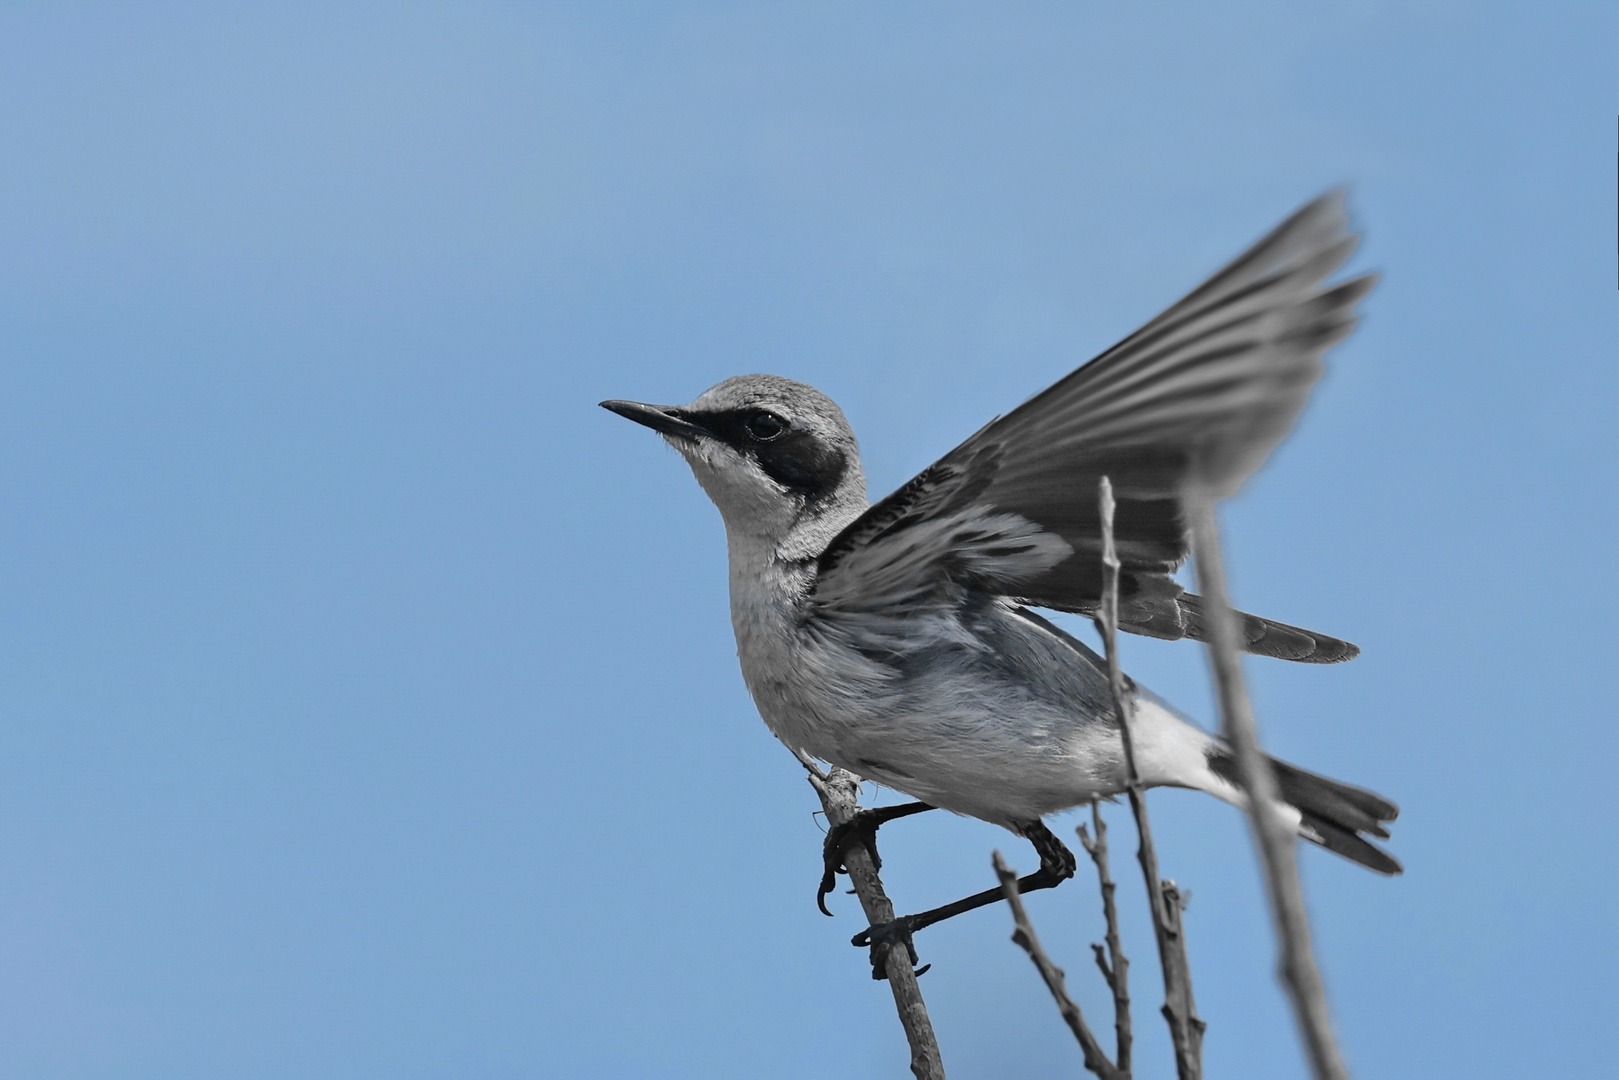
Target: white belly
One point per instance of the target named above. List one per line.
(994, 748)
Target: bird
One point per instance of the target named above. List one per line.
(899, 640)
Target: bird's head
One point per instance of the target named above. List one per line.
(776, 456)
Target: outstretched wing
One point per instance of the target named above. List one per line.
(1198, 396)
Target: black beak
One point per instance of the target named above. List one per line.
(666, 419)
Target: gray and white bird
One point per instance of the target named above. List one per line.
(897, 640)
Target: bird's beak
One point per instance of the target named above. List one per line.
(666, 419)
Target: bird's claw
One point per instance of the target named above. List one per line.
(881, 938)
(839, 839)
(829, 881)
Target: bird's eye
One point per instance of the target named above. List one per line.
(765, 426)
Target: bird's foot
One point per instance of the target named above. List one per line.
(882, 938)
(839, 840)
(1056, 860)
(860, 829)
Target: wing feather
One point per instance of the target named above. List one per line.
(1200, 395)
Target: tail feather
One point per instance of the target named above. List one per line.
(1350, 807)
(1332, 814)
(1343, 842)
(1267, 637)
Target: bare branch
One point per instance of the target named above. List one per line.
(811, 767)
(1185, 1029)
(1023, 933)
(1274, 837)
(839, 791)
(1116, 972)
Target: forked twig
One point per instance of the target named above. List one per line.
(1185, 1029)
(1115, 967)
(1023, 933)
(1274, 837)
(840, 791)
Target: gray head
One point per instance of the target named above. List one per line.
(776, 456)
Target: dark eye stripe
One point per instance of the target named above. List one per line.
(795, 458)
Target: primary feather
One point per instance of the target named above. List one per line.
(1196, 398)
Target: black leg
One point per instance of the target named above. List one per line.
(862, 829)
(1054, 856)
(1057, 864)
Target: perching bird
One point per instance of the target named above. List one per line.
(894, 639)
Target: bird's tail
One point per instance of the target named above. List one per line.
(1267, 637)
(1163, 609)
(1331, 814)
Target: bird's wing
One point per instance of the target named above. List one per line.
(1196, 397)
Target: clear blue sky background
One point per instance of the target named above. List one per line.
(368, 695)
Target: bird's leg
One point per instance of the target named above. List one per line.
(1057, 864)
(1054, 856)
(861, 829)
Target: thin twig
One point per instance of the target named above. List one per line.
(1274, 837)
(1023, 933)
(1185, 1029)
(840, 791)
(1114, 964)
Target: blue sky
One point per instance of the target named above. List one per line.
(368, 706)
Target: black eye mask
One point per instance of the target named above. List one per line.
(792, 456)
